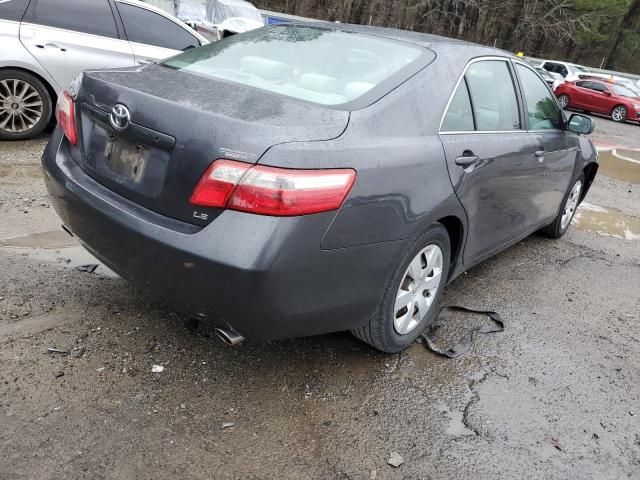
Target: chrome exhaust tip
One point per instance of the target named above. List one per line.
(229, 336)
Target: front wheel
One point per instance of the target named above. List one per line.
(564, 100)
(572, 199)
(410, 300)
(619, 113)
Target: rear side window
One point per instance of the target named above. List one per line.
(86, 16)
(13, 9)
(493, 96)
(320, 65)
(459, 117)
(144, 26)
(542, 110)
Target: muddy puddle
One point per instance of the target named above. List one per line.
(623, 165)
(607, 221)
(54, 246)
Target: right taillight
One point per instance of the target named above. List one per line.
(270, 190)
(66, 116)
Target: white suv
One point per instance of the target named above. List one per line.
(564, 71)
(44, 44)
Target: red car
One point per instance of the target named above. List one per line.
(606, 98)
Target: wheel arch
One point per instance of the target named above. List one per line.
(455, 229)
(589, 171)
(619, 105)
(45, 82)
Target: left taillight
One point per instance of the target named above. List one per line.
(272, 191)
(66, 116)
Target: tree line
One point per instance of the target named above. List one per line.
(596, 33)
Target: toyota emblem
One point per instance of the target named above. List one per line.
(119, 116)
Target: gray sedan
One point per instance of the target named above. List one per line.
(304, 179)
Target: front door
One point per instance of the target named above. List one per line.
(71, 36)
(556, 149)
(491, 158)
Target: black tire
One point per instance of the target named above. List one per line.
(556, 229)
(45, 98)
(380, 332)
(561, 101)
(623, 117)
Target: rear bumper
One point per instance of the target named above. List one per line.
(266, 277)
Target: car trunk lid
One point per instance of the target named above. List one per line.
(177, 124)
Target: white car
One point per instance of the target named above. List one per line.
(564, 71)
(217, 19)
(44, 44)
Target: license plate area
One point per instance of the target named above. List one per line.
(135, 160)
(125, 159)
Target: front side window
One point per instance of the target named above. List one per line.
(542, 110)
(459, 116)
(329, 67)
(493, 96)
(144, 26)
(87, 16)
(598, 87)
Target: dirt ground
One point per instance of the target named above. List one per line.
(555, 396)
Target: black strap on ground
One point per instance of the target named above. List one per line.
(464, 344)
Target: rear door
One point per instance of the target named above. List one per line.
(582, 98)
(153, 36)
(556, 149)
(69, 36)
(601, 97)
(491, 158)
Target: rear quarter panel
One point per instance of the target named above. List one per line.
(402, 183)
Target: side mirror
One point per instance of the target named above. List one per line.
(580, 124)
(607, 93)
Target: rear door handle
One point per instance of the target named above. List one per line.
(467, 160)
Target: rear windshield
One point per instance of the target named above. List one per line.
(329, 67)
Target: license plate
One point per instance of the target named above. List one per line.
(125, 158)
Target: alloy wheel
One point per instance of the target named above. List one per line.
(21, 106)
(564, 101)
(570, 205)
(418, 289)
(619, 113)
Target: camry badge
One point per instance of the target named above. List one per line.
(119, 116)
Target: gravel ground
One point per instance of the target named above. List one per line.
(556, 395)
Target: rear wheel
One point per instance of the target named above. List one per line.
(25, 105)
(568, 210)
(411, 297)
(619, 113)
(564, 100)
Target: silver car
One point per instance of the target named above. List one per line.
(44, 44)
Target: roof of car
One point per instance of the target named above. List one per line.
(435, 42)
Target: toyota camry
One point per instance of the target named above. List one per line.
(310, 178)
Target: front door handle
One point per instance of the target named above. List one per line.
(466, 161)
